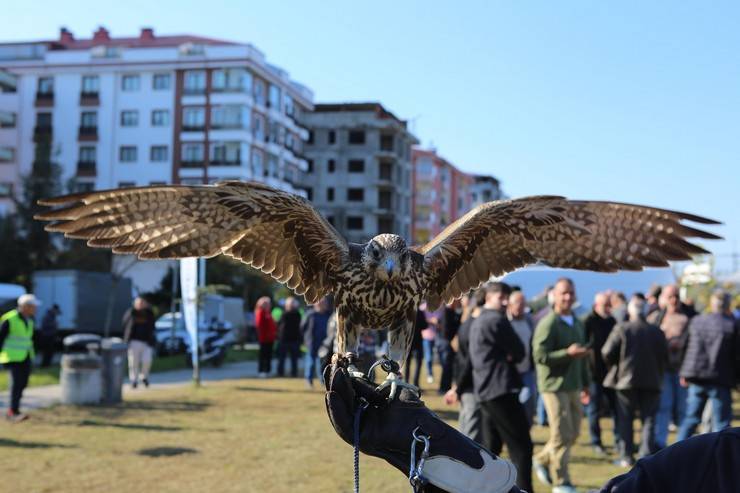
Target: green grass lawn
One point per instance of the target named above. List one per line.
(244, 435)
(50, 375)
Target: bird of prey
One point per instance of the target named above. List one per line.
(378, 284)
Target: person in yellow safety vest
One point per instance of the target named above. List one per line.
(16, 350)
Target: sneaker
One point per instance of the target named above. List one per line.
(430, 379)
(15, 417)
(262, 375)
(146, 382)
(134, 384)
(542, 473)
(564, 488)
(598, 450)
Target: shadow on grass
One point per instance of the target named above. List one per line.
(276, 391)
(118, 410)
(129, 426)
(6, 442)
(166, 451)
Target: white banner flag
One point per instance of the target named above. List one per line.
(189, 290)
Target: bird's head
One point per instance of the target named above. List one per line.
(387, 257)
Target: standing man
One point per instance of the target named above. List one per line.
(559, 348)
(711, 365)
(495, 349)
(448, 325)
(289, 337)
(524, 328)
(674, 325)
(598, 325)
(138, 333)
(637, 354)
(16, 350)
(618, 303)
(314, 330)
(48, 335)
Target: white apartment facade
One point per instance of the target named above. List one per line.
(150, 110)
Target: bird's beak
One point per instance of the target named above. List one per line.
(389, 264)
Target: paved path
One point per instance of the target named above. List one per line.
(45, 396)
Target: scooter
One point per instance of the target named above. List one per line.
(212, 346)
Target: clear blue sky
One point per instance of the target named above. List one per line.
(630, 101)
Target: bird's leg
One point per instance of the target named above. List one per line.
(347, 344)
(399, 343)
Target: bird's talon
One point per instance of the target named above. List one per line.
(394, 381)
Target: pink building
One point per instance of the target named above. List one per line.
(442, 193)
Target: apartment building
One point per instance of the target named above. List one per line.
(442, 193)
(485, 188)
(150, 109)
(359, 169)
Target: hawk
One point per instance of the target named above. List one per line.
(378, 284)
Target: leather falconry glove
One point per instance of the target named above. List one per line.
(454, 463)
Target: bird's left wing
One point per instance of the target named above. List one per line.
(499, 237)
(276, 232)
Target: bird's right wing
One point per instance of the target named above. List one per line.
(276, 232)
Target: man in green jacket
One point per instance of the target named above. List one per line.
(559, 350)
(16, 350)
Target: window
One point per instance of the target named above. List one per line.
(161, 82)
(160, 118)
(129, 118)
(130, 83)
(87, 154)
(231, 80)
(288, 105)
(310, 137)
(7, 154)
(127, 154)
(226, 153)
(331, 166)
(157, 183)
(355, 222)
(356, 136)
(330, 194)
(126, 184)
(194, 82)
(193, 118)
(274, 97)
(356, 166)
(7, 119)
(309, 193)
(332, 137)
(85, 186)
(158, 154)
(386, 142)
(258, 122)
(232, 116)
(89, 119)
(385, 199)
(46, 86)
(355, 194)
(43, 122)
(259, 91)
(90, 84)
(274, 132)
(386, 170)
(257, 168)
(272, 166)
(309, 165)
(193, 152)
(385, 225)
(6, 189)
(330, 219)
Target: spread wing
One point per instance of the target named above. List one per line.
(276, 232)
(499, 237)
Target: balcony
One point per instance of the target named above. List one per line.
(193, 91)
(193, 128)
(44, 99)
(219, 162)
(42, 133)
(192, 164)
(86, 168)
(89, 99)
(88, 134)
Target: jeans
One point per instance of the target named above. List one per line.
(597, 394)
(312, 367)
(428, 355)
(19, 373)
(720, 399)
(416, 353)
(541, 412)
(672, 407)
(528, 395)
(646, 403)
(290, 349)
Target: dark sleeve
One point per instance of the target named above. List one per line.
(737, 352)
(4, 329)
(689, 344)
(506, 337)
(611, 348)
(463, 368)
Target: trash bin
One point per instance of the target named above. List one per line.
(81, 376)
(113, 352)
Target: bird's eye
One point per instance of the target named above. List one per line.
(376, 254)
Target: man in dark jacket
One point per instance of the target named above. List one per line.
(637, 354)
(599, 324)
(494, 351)
(710, 365)
(289, 337)
(138, 333)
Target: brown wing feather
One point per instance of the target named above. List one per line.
(499, 237)
(274, 231)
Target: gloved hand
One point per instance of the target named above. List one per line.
(455, 463)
